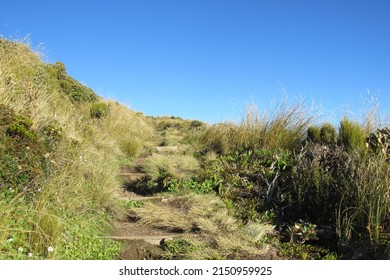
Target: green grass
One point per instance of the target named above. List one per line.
(352, 135)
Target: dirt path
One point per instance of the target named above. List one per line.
(142, 241)
(138, 231)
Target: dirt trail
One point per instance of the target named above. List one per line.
(143, 241)
(138, 231)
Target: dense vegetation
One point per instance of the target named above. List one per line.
(336, 181)
(239, 189)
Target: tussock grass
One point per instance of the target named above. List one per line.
(178, 166)
(370, 212)
(352, 135)
(285, 128)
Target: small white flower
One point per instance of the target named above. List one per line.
(10, 240)
(50, 249)
(20, 250)
(30, 255)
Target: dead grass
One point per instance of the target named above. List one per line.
(219, 235)
(179, 166)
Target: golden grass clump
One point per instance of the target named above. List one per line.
(285, 128)
(178, 166)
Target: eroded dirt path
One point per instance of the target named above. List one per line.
(142, 241)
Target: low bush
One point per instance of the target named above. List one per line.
(254, 180)
(76, 91)
(22, 152)
(163, 170)
(320, 179)
(99, 110)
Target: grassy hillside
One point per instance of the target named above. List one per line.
(271, 186)
(61, 147)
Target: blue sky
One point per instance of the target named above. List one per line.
(205, 59)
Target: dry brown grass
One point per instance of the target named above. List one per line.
(284, 128)
(219, 235)
(179, 166)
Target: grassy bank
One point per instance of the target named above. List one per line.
(61, 147)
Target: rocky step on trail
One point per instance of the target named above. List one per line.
(137, 231)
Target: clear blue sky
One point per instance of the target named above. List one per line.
(205, 59)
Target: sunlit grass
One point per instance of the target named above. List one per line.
(284, 128)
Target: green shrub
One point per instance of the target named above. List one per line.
(351, 135)
(176, 185)
(314, 134)
(22, 158)
(196, 124)
(297, 251)
(76, 91)
(71, 87)
(328, 134)
(61, 70)
(21, 128)
(17, 125)
(99, 110)
(320, 179)
(254, 180)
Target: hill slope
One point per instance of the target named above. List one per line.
(60, 147)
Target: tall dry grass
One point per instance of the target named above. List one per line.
(284, 128)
